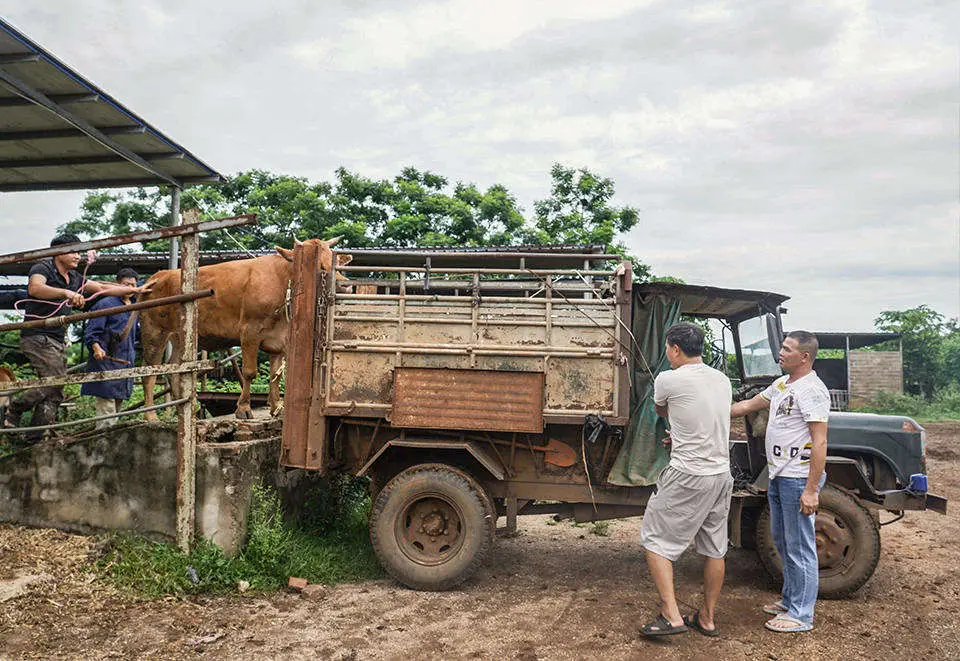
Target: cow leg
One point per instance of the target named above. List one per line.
(273, 399)
(153, 346)
(248, 367)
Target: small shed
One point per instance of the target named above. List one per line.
(862, 371)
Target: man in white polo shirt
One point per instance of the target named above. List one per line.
(796, 444)
(692, 500)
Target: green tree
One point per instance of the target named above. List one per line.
(415, 208)
(950, 354)
(922, 329)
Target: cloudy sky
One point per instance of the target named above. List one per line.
(805, 148)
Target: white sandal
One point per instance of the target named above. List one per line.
(795, 625)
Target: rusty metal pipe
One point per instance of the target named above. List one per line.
(123, 239)
(468, 271)
(63, 320)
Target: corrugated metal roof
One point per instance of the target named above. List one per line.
(60, 131)
(715, 302)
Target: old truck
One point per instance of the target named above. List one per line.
(470, 385)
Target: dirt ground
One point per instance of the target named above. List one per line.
(553, 592)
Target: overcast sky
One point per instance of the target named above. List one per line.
(805, 148)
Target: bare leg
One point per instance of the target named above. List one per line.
(713, 569)
(661, 570)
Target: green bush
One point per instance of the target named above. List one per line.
(275, 550)
(945, 405)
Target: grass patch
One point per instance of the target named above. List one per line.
(945, 405)
(332, 548)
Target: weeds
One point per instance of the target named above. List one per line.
(275, 550)
(600, 528)
(945, 405)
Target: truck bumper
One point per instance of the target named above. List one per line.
(902, 500)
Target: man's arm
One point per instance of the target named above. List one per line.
(810, 498)
(107, 289)
(37, 287)
(756, 403)
(661, 410)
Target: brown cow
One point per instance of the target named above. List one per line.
(248, 308)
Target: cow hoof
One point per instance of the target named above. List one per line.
(244, 414)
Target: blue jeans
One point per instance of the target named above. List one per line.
(796, 541)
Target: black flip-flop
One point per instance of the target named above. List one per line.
(693, 621)
(663, 628)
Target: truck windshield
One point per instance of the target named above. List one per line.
(756, 348)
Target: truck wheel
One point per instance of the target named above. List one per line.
(848, 544)
(431, 526)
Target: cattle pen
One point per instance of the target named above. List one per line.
(185, 368)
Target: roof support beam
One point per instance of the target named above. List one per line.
(84, 184)
(54, 134)
(57, 99)
(83, 160)
(39, 98)
(18, 58)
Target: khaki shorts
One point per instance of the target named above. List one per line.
(687, 508)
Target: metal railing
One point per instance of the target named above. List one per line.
(839, 400)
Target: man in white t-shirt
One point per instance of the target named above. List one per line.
(692, 500)
(796, 444)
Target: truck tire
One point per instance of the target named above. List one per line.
(848, 544)
(431, 526)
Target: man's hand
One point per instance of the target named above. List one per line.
(809, 500)
(142, 289)
(98, 352)
(667, 441)
(76, 298)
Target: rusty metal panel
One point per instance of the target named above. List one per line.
(468, 399)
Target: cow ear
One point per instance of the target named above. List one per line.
(332, 242)
(285, 253)
(343, 260)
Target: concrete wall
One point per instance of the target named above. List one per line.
(872, 372)
(125, 479)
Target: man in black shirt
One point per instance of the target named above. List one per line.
(55, 287)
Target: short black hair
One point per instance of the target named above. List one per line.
(687, 337)
(61, 239)
(127, 272)
(807, 342)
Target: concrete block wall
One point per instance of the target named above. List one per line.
(125, 479)
(872, 372)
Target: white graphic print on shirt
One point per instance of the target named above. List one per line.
(793, 405)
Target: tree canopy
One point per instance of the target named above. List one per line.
(415, 208)
(931, 347)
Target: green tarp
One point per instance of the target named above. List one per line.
(641, 456)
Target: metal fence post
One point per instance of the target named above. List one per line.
(186, 412)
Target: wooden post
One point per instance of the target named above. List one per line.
(298, 400)
(186, 412)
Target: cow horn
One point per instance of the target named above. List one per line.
(297, 242)
(332, 242)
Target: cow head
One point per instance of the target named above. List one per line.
(326, 255)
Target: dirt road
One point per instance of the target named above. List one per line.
(553, 592)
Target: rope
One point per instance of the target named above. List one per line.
(91, 258)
